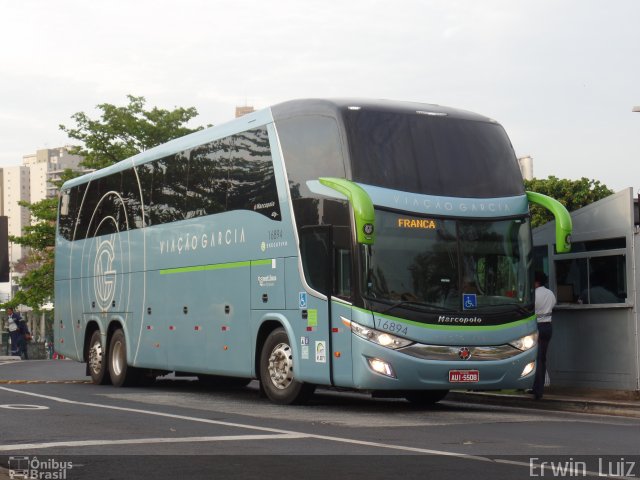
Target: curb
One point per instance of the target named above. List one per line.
(551, 402)
(14, 358)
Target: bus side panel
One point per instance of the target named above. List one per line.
(63, 323)
(228, 349)
(145, 327)
(268, 284)
(341, 345)
(207, 318)
(308, 328)
(63, 328)
(311, 330)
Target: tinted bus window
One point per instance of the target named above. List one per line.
(208, 179)
(234, 173)
(434, 155)
(167, 191)
(68, 212)
(252, 184)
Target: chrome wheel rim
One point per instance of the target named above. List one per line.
(281, 366)
(117, 359)
(95, 357)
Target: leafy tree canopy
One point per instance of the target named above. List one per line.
(122, 132)
(573, 194)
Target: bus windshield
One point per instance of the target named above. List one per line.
(433, 264)
(434, 155)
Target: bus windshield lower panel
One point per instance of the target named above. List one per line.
(443, 265)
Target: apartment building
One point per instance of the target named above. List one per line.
(46, 166)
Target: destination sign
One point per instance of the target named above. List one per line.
(420, 223)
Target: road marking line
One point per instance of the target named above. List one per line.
(251, 427)
(133, 441)
(283, 433)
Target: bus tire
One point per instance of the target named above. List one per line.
(425, 397)
(97, 360)
(122, 375)
(277, 371)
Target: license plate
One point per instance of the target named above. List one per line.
(464, 376)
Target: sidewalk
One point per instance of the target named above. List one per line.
(7, 358)
(601, 402)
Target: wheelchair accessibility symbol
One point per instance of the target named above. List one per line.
(469, 301)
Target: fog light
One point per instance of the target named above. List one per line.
(381, 367)
(528, 369)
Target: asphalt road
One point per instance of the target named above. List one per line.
(178, 428)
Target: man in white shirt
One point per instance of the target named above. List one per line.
(545, 301)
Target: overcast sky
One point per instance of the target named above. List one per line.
(561, 76)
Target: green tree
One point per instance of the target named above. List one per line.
(122, 132)
(119, 133)
(573, 194)
(37, 266)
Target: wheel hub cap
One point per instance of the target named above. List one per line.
(281, 366)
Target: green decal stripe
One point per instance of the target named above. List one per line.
(483, 328)
(217, 266)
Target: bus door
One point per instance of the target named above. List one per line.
(341, 295)
(326, 255)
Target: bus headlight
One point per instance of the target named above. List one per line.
(529, 367)
(383, 339)
(526, 343)
(381, 367)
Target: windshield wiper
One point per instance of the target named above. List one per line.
(419, 305)
(398, 304)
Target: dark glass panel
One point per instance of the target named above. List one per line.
(208, 179)
(252, 183)
(434, 155)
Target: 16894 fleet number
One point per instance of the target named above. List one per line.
(390, 326)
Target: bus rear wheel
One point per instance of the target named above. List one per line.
(425, 397)
(97, 360)
(122, 375)
(277, 371)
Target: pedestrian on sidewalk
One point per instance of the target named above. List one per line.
(544, 303)
(19, 334)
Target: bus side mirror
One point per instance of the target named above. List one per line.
(564, 226)
(362, 207)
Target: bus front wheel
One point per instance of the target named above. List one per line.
(97, 360)
(277, 371)
(122, 375)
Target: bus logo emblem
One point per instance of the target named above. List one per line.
(104, 280)
(464, 353)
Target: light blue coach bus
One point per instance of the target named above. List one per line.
(374, 245)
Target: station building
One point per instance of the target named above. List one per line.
(596, 323)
